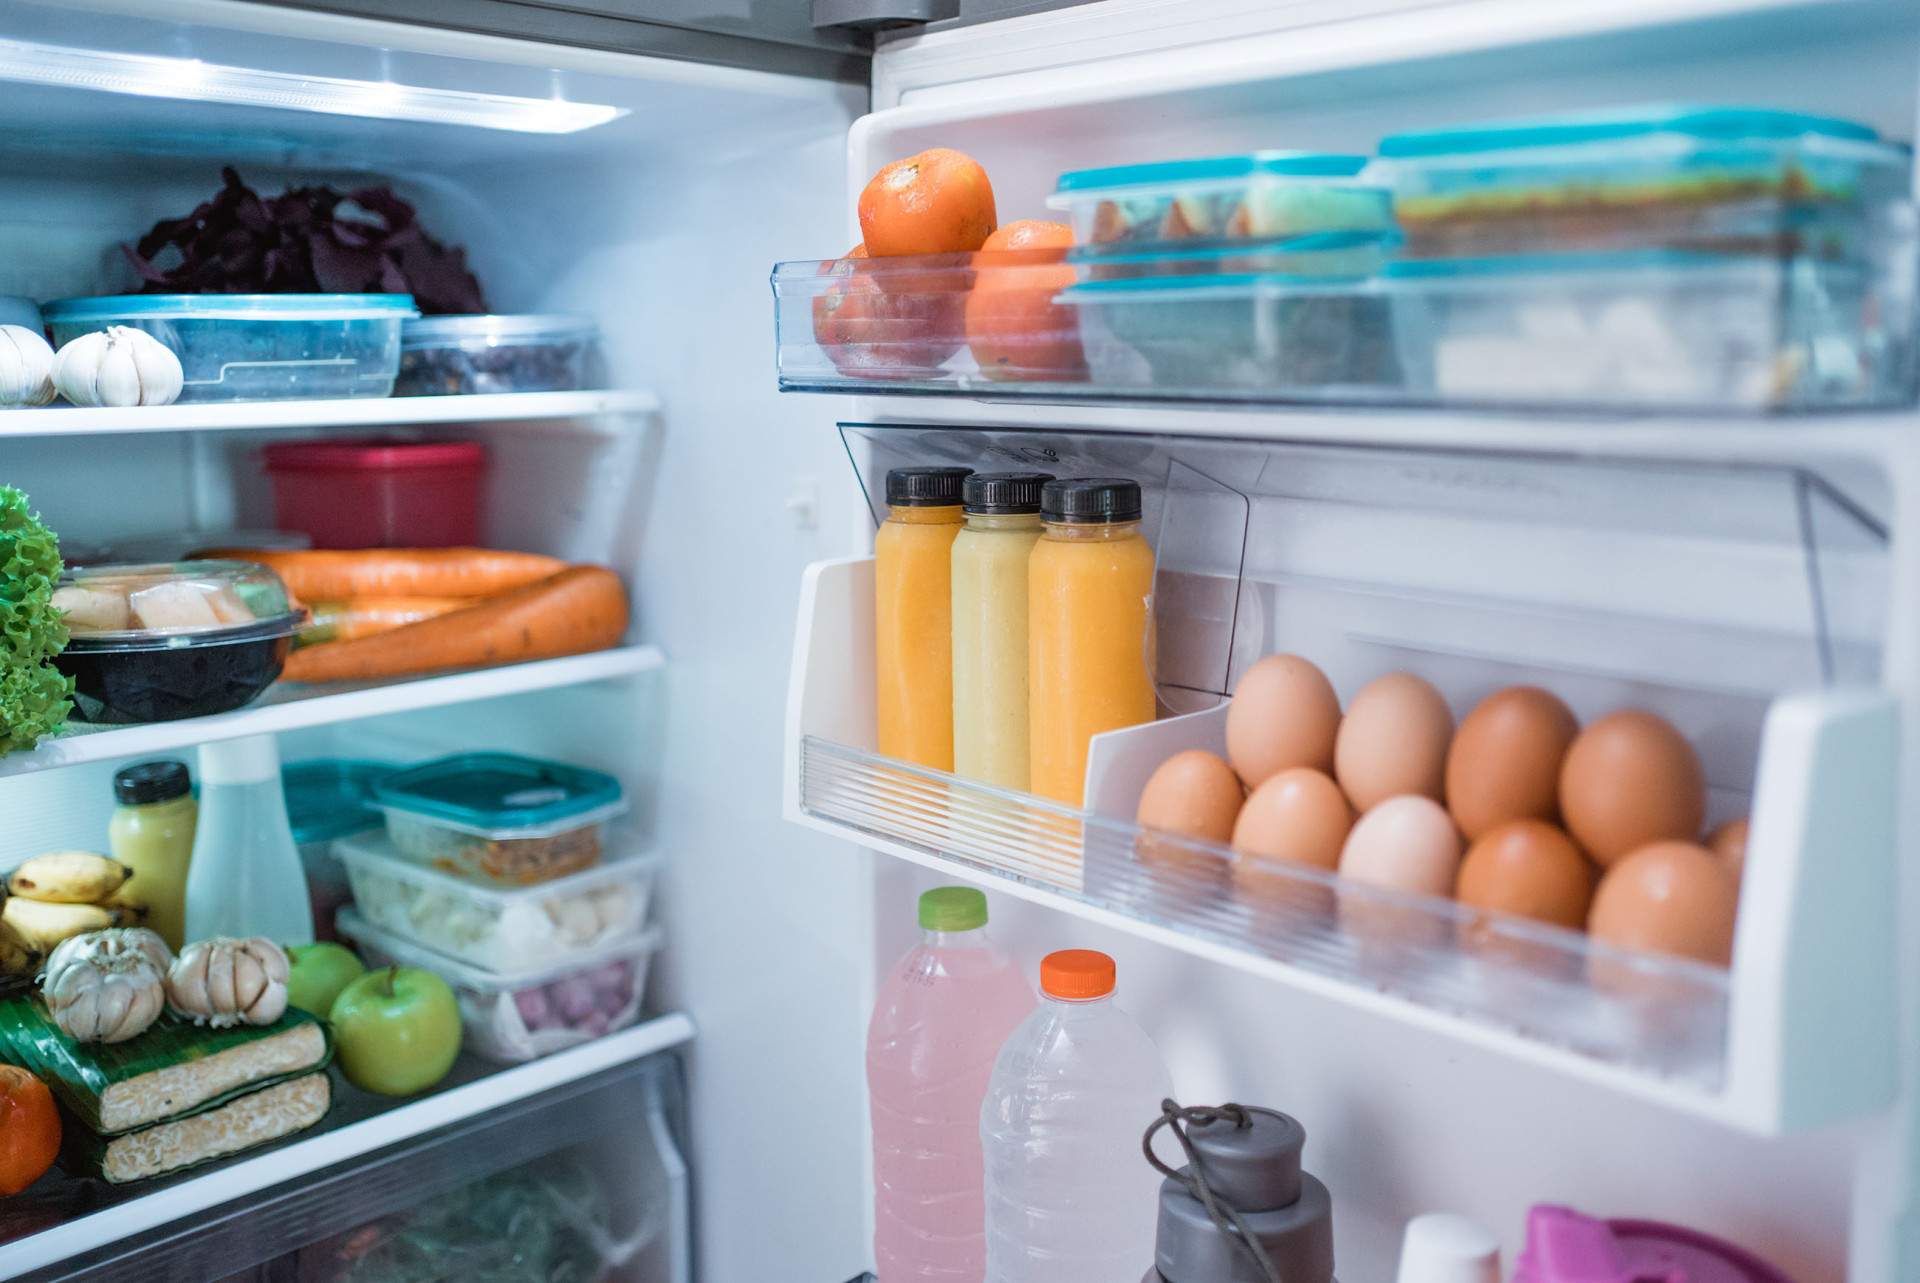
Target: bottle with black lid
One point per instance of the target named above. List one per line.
(1090, 599)
(151, 832)
(990, 558)
(913, 614)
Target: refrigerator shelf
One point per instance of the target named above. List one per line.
(363, 1160)
(298, 706)
(375, 412)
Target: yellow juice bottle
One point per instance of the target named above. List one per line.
(990, 559)
(913, 614)
(151, 832)
(1089, 603)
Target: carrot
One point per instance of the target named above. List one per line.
(357, 617)
(580, 609)
(399, 572)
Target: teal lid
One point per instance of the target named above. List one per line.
(228, 307)
(502, 795)
(1286, 164)
(330, 798)
(1707, 122)
(953, 909)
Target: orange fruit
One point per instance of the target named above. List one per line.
(874, 322)
(1014, 327)
(29, 1129)
(938, 202)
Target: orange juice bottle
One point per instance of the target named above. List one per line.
(1089, 602)
(913, 614)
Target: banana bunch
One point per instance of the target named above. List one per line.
(52, 897)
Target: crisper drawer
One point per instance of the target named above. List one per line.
(589, 1174)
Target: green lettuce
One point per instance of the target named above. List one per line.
(34, 697)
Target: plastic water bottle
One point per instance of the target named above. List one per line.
(942, 1014)
(1070, 1198)
(245, 878)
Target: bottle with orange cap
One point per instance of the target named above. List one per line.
(1068, 1198)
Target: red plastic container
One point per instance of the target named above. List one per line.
(379, 494)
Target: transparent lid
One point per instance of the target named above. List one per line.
(374, 853)
(330, 797)
(467, 976)
(229, 307)
(167, 604)
(502, 795)
(435, 331)
(1210, 170)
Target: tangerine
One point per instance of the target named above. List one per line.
(938, 202)
(1014, 327)
(878, 322)
(29, 1129)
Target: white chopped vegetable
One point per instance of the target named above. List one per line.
(174, 605)
(96, 610)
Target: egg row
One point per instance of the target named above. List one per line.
(1519, 811)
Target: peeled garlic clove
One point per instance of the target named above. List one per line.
(26, 367)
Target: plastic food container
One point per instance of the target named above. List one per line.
(1285, 335)
(379, 494)
(516, 1018)
(1710, 178)
(327, 799)
(453, 355)
(258, 347)
(499, 817)
(1264, 196)
(1653, 329)
(154, 643)
(500, 931)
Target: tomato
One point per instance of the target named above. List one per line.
(29, 1129)
(1014, 327)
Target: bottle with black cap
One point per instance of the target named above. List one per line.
(1090, 600)
(151, 832)
(990, 557)
(913, 614)
(1241, 1210)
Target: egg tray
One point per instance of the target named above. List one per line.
(1650, 1012)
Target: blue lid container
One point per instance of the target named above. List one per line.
(330, 798)
(502, 795)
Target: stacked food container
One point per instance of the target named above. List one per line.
(503, 876)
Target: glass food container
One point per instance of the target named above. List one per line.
(500, 817)
(451, 355)
(154, 643)
(258, 347)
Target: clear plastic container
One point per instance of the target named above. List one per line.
(1655, 329)
(496, 929)
(1726, 179)
(258, 347)
(515, 1018)
(452, 355)
(153, 643)
(379, 493)
(499, 817)
(329, 798)
(1263, 196)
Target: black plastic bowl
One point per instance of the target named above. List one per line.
(163, 679)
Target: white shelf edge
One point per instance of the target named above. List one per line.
(293, 708)
(249, 1176)
(1639, 1084)
(363, 412)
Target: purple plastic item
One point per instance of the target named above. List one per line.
(1564, 1246)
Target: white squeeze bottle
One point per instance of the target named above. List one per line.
(943, 1013)
(1070, 1198)
(245, 878)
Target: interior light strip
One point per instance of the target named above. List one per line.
(148, 76)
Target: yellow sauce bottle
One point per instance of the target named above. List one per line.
(991, 740)
(1090, 600)
(913, 614)
(151, 832)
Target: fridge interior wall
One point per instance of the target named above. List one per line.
(660, 224)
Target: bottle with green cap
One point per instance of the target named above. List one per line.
(942, 1015)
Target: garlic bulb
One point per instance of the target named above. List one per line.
(26, 367)
(107, 986)
(117, 366)
(222, 981)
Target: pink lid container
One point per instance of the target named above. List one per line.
(1564, 1246)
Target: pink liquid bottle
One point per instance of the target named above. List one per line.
(941, 1017)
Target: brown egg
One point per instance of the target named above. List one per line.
(1505, 760)
(1393, 741)
(1530, 869)
(1404, 844)
(1670, 897)
(1284, 714)
(1194, 794)
(1729, 843)
(1299, 816)
(1628, 780)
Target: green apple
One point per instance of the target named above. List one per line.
(396, 1031)
(319, 973)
